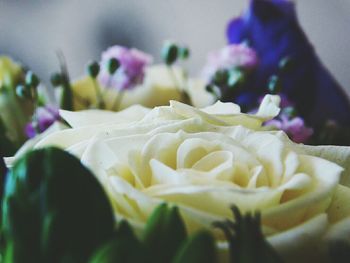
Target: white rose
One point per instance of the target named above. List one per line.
(206, 160)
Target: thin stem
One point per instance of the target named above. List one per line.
(173, 76)
(182, 90)
(35, 112)
(99, 96)
(118, 100)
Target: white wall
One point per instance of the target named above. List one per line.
(33, 30)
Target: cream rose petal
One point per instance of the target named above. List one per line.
(95, 117)
(337, 154)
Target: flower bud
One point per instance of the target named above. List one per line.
(274, 85)
(170, 53)
(93, 69)
(286, 64)
(221, 78)
(235, 77)
(112, 65)
(184, 52)
(56, 79)
(23, 92)
(31, 80)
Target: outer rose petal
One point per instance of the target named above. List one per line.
(95, 117)
(337, 154)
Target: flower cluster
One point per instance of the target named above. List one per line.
(230, 57)
(131, 70)
(44, 118)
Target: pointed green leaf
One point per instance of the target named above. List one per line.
(199, 248)
(67, 97)
(164, 233)
(124, 247)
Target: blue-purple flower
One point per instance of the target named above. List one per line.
(43, 118)
(271, 28)
(131, 70)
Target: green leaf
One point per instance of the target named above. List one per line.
(3, 171)
(67, 97)
(6, 146)
(164, 233)
(124, 247)
(247, 243)
(54, 209)
(199, 248)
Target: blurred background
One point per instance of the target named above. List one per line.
(32, 31)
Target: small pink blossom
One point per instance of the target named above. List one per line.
(294, 127)
(131, 71)
(231, 56)
(44, 118)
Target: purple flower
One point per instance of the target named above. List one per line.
(131, 71)
(231, 56)
(44, 118)
(295, 127)
(271, 28)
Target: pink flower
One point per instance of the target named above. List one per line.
(295, 127)
(131, 71)
(44, 118)
(231, 56)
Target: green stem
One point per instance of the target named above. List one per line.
(35, 115)
(182, 91)
(99, 96)
(118, 100)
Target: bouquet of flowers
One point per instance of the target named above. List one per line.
(136, 162)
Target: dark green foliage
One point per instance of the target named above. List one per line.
(164, 240)
(67, 94)
(7, 148)
(124, 247)
(164, 233)
(54, 209)
(246, 241)
(339, 251)
(200, 248)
